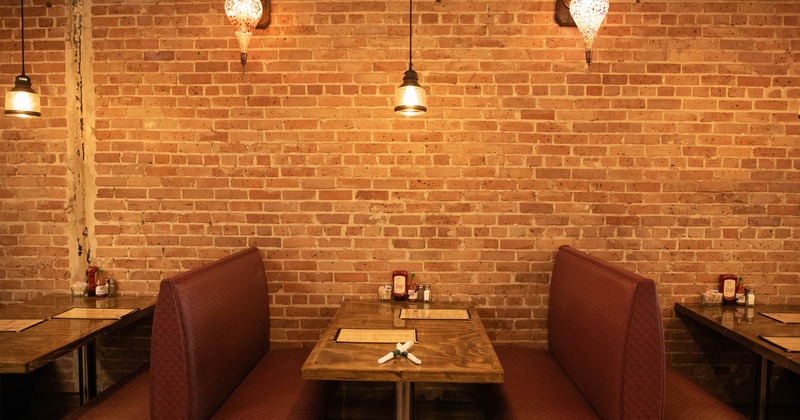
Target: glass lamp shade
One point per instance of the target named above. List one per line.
(244, 15)
(588, 16)
(410, 99)
(22, 101)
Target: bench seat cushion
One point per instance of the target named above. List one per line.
(686, 400)
(274, 390)
(129, 397)
(537, 386)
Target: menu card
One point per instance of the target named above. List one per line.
(790, 344)
(17, 325)
(94, 313)
(364, 335)
(434, 314)
(785, 317)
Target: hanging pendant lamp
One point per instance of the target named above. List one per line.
(410, 98)
(21, 100)
(588, 16)
(244, 15)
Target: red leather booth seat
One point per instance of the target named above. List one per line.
(210, 351)
(128, 399)
(606, 354)
(211, 357)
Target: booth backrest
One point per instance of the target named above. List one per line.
(605, 331)
(210, 327)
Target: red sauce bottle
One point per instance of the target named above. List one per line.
(740, 297)
(400, 285)
(727, 286)
(91, 279)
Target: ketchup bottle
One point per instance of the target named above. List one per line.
(400, 285)
(727, 286)
(91, 279)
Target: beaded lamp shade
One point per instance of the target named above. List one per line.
(588, 16)
(244, 15)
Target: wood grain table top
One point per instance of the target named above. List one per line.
(27, 350)
(745, 325)
(450, 350)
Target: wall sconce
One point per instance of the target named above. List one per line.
(410, 98)
(21, 100)
(587, 15)
(245, 16)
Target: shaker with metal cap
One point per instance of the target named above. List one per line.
(112, 287)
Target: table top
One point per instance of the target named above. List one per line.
(27, 350)
(744, 325)
(450, 350)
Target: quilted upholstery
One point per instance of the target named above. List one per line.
(605, 330)
(606, 348)
(274, 390)
(210, 330)
(125, 399)
(687, 400)
(539, 389)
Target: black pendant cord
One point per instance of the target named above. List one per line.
(410, 30)
(22, 26)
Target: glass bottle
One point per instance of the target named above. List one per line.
(400, 285)
(727, 286)
(91, 279)
(740, 298)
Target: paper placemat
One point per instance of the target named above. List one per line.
(434, 314)
(785, 317)
(94, 313)
(364, 335)
(790, 344)
(17, 325)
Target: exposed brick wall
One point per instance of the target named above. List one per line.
(676, 156)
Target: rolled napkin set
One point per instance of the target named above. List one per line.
(401, 350)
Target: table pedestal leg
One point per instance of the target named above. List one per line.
(87, 375)
(761, 387)
(404, 393)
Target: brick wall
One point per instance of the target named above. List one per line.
(676, 156)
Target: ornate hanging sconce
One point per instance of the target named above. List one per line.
(587, 15)
(244, 15)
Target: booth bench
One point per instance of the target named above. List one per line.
(606, 355)
(211, 356)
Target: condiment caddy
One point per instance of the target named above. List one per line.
(732, 291)
(405, 288)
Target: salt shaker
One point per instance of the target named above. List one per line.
(426, 294)
(750, 296)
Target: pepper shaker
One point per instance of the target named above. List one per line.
(112, 287)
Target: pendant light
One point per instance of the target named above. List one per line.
(244, 15)
(588, 16)
(410, 98)
(21, 100)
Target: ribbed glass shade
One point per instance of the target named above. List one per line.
(22, 101)
(410, 99)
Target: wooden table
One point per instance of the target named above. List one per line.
(744, 325)
(450, 350)
(27, 350)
